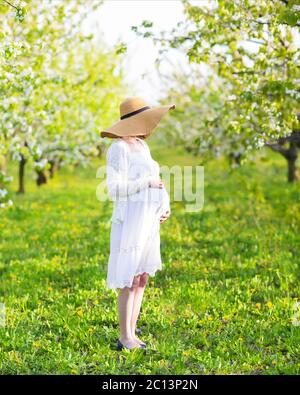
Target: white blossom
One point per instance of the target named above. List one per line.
(41, 164)
(3, 193)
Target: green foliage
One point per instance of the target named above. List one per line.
(248, 55)
(121, 48)
(223, 303)
(58, 89)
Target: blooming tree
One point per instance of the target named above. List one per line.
(249, 50)
(56, 87)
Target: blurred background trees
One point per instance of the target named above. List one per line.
(56, 88)
(244, 93)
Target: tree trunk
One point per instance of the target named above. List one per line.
(2, 169)
(292, 157)
(235, 158)
(22, 164)
(290, 153)
(100, 149)
(52, 168)
(3, 164)
(41, 178)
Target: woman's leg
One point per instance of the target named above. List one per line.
(137, 302)
(125, 308)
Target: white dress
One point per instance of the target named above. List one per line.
(135, 240)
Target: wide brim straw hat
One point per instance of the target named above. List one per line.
(137, 118)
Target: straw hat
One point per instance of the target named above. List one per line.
(137, 118)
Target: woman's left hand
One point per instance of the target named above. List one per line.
(164, 217)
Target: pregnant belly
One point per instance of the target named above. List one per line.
(156, 196)
(160, 199)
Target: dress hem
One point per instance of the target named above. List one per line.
(123, 285)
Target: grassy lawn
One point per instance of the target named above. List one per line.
(223, 303)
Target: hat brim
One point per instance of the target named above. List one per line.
(141, 124)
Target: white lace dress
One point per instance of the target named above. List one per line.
(135, 239)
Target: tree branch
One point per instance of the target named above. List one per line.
(268, 23)
(11, 5)
(251, 72)
(278, 148)
(294, 137)
(54, 149)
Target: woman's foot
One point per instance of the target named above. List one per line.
(128, 343)
(139, 342)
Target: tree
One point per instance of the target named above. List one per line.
(249, 50)
(56, 87)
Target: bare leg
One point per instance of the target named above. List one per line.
(138, 297)
(125, 308)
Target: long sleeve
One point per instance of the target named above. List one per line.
(118, 185)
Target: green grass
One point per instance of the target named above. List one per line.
(223, 303)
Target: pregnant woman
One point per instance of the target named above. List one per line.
(141, 204)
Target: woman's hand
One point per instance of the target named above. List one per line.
(155, 182)
(164, 217)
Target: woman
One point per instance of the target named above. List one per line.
(141, 204)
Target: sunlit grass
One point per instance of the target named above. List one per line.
(223, 302)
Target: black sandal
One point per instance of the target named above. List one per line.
(121, 346)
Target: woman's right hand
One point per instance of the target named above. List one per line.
(155, 182)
